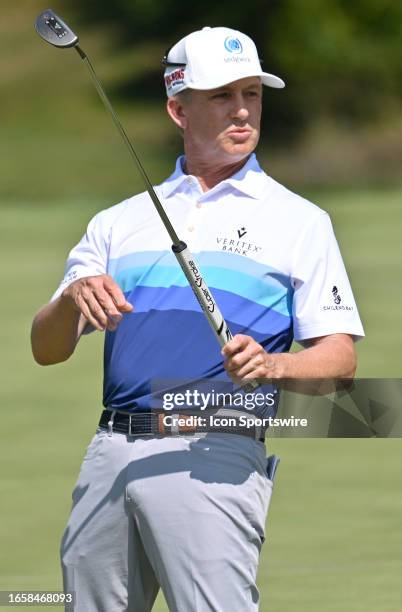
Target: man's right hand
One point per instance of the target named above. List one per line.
(99, 299)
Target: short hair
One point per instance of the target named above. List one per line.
(183, 95)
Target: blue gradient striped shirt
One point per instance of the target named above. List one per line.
(269, 257)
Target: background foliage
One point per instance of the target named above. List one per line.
(338, 58)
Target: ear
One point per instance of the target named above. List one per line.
(176, 112)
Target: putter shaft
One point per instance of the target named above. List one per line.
(169, 227)
(56, 32)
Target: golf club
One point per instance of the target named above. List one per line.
(56, 32)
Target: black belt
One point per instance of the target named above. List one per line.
(162, 423)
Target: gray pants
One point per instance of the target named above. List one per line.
(186, 514)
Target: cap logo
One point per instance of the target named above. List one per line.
(174, 77)
(233, 45)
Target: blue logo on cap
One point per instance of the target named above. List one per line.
(233, 45)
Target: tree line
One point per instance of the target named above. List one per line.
(338, 58)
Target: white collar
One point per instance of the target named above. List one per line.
(249, 180)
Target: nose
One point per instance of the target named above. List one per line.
(239, 108)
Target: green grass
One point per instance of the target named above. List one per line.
(334, 535)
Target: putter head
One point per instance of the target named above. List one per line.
(54, 31)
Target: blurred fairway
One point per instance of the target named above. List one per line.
(334, 535)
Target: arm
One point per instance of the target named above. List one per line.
(58, 326)
(328, 357)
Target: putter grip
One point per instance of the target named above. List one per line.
(206, 300)
(202, 293)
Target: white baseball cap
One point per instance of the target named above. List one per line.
(213, 57)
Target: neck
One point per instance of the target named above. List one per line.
(210, 175)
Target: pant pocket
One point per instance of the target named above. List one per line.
(94, 445)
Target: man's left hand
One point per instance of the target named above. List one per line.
(246, 359)
(329, 357)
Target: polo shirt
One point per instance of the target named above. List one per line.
(269, 257)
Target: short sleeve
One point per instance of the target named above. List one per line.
(88, 257)
(323, 301)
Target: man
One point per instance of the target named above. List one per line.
(187, 513)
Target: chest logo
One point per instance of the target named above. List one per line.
(235, 243)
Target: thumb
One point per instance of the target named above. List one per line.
(126, 307)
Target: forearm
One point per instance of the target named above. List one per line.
(327, 357)
(331, 357)
(57, 327)
(55, 332)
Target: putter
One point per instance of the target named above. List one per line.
(56, 32)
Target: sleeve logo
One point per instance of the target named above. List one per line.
(337, 297)
(337, 302)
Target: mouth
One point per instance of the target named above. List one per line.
(240, 134)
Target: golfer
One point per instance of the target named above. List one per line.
(187, 512)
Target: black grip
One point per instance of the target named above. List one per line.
(179, 247)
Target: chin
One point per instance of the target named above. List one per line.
(240, 149)
(237, 152)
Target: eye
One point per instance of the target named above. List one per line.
(222, 95)
(252, 93)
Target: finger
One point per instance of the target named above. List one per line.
(100, 303)
(252, 351)
(243, 363)
(238, 343)
(253, 368)
(117, 295)
(255, 375)
(259, 373)
(83, 306)
(238, 360)
(107, 303)
(126, 307)
(240, 381)
(95, 309)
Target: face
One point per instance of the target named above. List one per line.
(223, 124)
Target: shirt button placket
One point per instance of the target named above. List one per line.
(192, 220)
